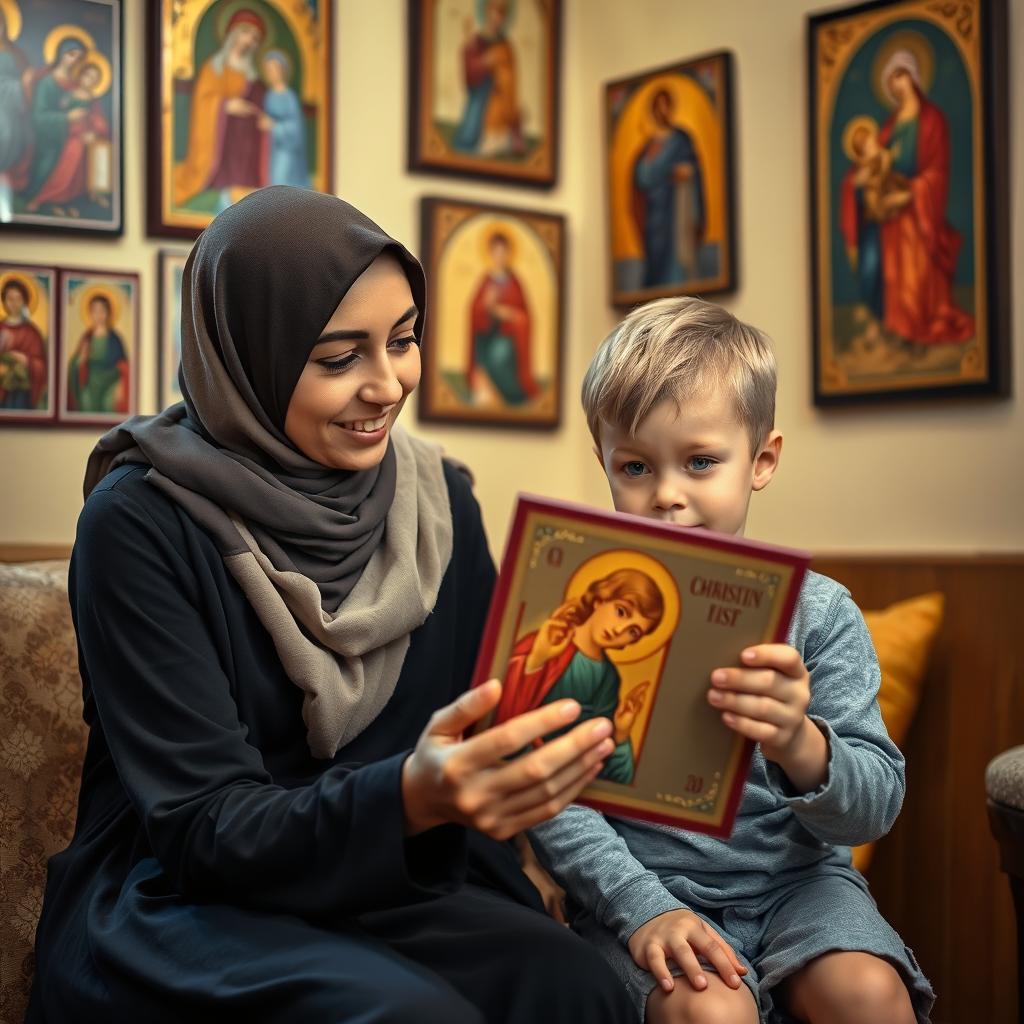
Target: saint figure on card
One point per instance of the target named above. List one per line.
(568, 657)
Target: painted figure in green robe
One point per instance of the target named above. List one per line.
(98, 369)
(568, 657)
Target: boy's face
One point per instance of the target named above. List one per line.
(689, 464)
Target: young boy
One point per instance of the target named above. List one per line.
(680, 400)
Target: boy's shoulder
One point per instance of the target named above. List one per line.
(821, 605)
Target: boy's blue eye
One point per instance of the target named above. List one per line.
(701, 463)
(634, 469)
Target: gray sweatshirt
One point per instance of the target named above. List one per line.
(627, 872)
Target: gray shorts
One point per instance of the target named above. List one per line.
(823, 915)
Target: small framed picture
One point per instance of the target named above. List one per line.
(668, 138)
(240, 96)
(28, 335)
(171, 269)
(909, 172)
(484, 89)
(61, 116)
(99, 338)
(493, 351)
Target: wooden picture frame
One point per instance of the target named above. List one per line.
(170, 267)
(670, 193)
(493, 351)
(28, 344)
(99, 344)
(909, 191)
(282, 130)
(484, 89)
(63, 131)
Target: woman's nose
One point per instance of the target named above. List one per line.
(382, 387)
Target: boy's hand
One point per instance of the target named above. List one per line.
(766, 700)
(682, 936)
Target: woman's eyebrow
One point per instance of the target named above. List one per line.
(362, 335)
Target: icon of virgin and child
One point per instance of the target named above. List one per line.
(246, 123)
(568, 656)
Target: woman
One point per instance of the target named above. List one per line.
(278, 600)
(568, 657)
(98, 369)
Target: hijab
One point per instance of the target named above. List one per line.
(339, 565)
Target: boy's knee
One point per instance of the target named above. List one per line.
(876, 989)
(718, 1004)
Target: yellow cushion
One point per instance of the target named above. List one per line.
(902, 635)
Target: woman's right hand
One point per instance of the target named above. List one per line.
(449, 779)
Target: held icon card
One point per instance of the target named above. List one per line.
(630, 616)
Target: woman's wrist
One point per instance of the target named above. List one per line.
(415, 809)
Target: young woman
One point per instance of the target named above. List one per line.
(278, 599)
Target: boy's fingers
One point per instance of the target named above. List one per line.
(509, 737)
(781, 657)
(720, 955)
(745, 680)
(657, 965)
(759, 732)
(455, 718)
(761, 709)
(683, 955)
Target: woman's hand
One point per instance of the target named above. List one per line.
(448, 779)
(682, 936)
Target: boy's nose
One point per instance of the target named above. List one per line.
(669, 498)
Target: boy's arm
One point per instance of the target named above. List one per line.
(592, 862)
(865, 781)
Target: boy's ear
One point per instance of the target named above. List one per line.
(600, 457)
(767, 460)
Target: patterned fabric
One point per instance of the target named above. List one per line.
(1004, 778)
(42, 743)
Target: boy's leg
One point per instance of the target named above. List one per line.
(717, 1004)
(847, 988)
(829, 957)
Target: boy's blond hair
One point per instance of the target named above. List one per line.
(680, 348)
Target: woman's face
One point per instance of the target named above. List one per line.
(617, 623)
(359, 374)
(70, 58)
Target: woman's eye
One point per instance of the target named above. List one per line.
(634, 469)
(403, 344)
(339, 365)
(701, 463)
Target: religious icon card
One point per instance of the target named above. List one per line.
(629, 617)
(909, 168)
(239, 97)
(61, 115)
(484, 89)
(495, 279)
(99, 347)
(668, 140)
(28, 337)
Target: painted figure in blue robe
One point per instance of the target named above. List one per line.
(491, 123)
(283, 121)
(668, 199)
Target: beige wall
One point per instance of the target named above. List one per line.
(926, 477)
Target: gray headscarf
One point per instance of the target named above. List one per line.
(340, 566)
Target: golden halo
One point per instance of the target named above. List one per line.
(97, 59)
(57, 36)
(33, 291)
(912, 42)
(228, 11)
(488, 236)
(623, 558)
(853, 126)
(96, 291)
(12, 17)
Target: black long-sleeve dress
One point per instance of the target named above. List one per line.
(219, 872)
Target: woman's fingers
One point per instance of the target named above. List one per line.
(539, 765)
(508, 825)
(500, 741)
(454, 719)
(540, 792)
